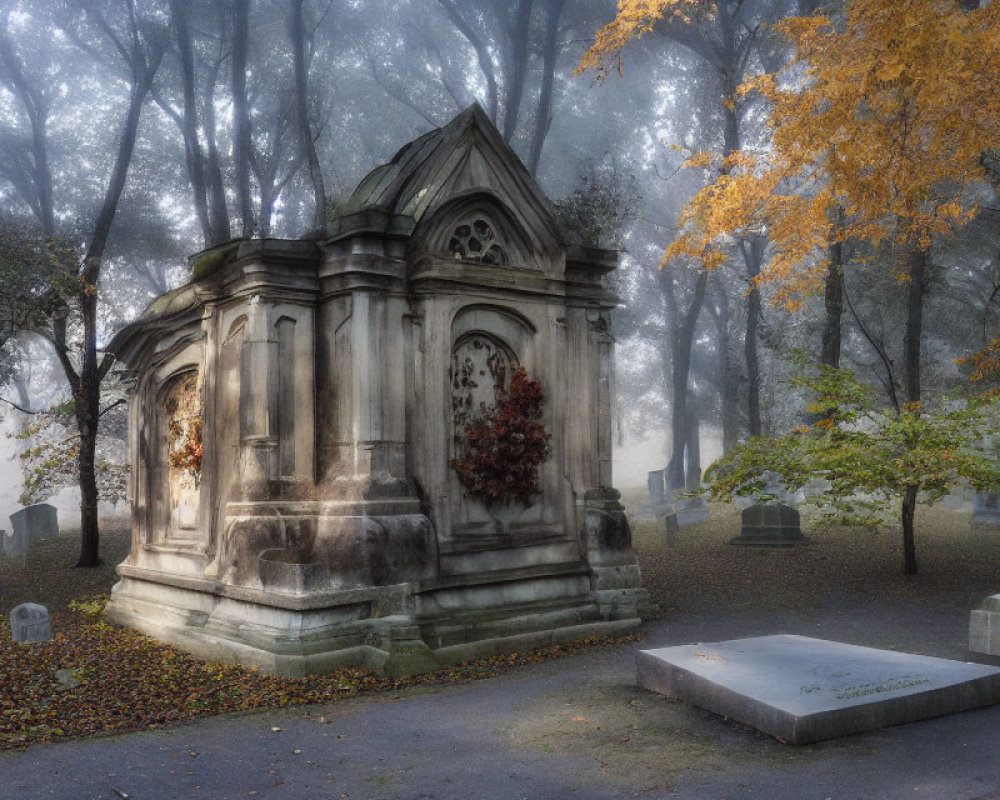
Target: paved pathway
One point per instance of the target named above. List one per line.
(572, 728)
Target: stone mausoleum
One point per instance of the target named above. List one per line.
(390, 448)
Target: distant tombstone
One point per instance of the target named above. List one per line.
(672, 529)
(984, 627)
(986, 509)
(769, 525)
(15, 543)
(29, 622)
(691, 511)
(658, 493)
(36, 522)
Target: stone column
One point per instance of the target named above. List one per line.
(258, 400)
(363, 343)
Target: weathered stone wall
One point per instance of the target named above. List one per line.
(299, 407)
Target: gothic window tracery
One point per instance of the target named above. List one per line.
(474, 239)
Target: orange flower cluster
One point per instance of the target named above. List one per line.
(188, 448)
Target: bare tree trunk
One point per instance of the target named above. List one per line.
(727, 374)
(692, 481)
(241, 113)
(914, 324)
(753, 253)
(218, 209)
(911, 376)
(87, 384)
(297, 35)
(833, 305)
(909, 505)
(87, 407)
(482, 49)
(193, 155)
(543, 113)
(514, 88)
(683, 341)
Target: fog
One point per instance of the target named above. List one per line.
(259, 117)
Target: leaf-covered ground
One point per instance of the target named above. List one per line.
(127, 681)
(959, 564)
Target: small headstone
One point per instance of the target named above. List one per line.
(986, 509)
(691, 511)
(770, 525)
(984, 627)
(658, 493)
(37, 522)
(29, 622)
(672, 529)
(15, 543)
(67, 678)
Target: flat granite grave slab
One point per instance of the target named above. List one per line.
(803, 690)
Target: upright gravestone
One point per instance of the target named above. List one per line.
(691, 511)
(656, 483)
(29, 622)
(986, 509)
(984, 627)
(658, 493)
(36, 522)
(769, 525)
(15, 543)
(986, 505)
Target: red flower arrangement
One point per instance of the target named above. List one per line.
(504, 447)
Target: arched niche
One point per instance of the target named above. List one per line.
(178, 460)
(488, 344)
(476, 228)
(481, 366)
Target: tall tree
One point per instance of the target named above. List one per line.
(298, 38)
(724, 37)
(876, 143)
(138, 43)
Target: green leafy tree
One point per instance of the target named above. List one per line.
(873, 459)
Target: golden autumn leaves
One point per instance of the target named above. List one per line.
(879, 122)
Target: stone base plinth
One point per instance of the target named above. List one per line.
(407, 628)
(986, 509)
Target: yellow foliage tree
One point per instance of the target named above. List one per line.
(878, 124)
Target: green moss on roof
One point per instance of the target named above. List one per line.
(171, 302)
(211, 261)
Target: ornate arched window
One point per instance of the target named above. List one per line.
(475, 239)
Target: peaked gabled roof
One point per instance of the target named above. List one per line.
(466, 155)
